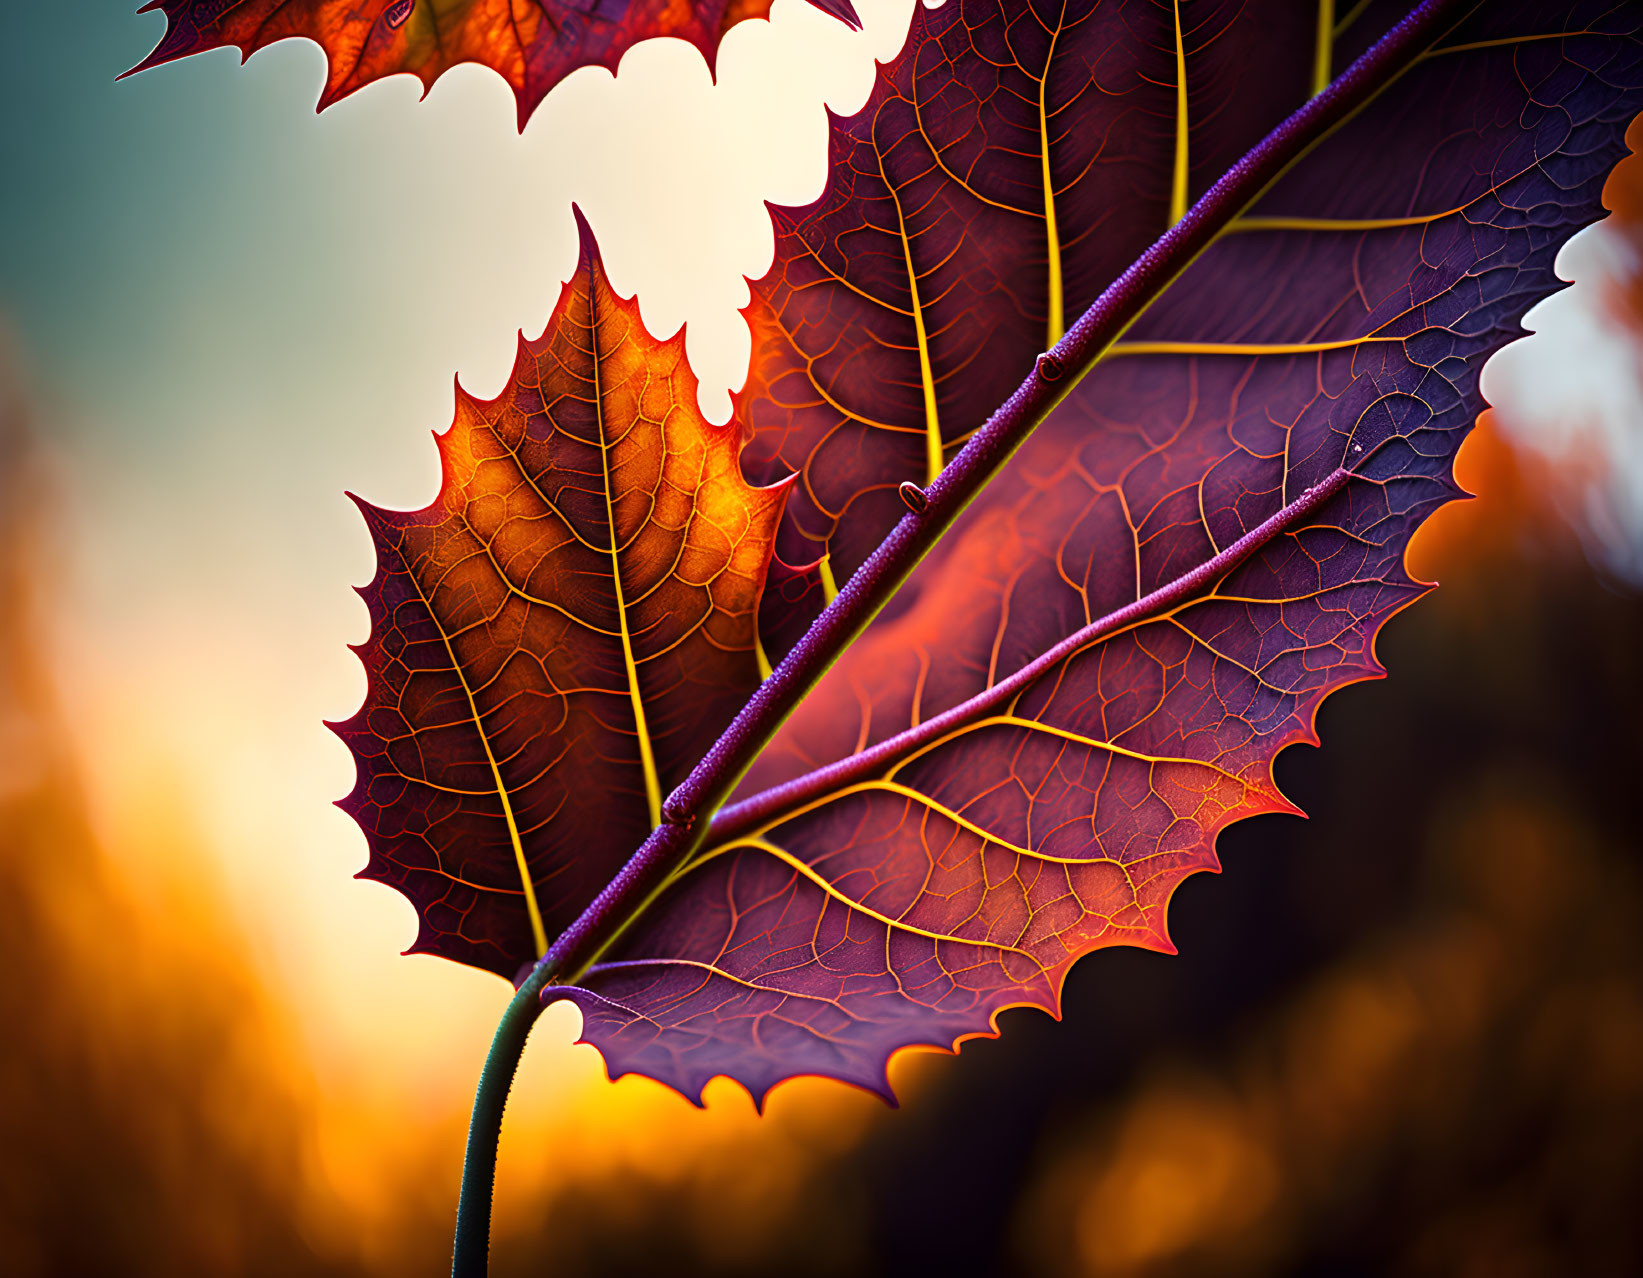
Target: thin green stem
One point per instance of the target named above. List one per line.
(472, 1250)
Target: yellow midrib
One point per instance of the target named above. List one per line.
(1242, 348)
(830, 587)
(647, 756)
(1057, 321)
(932, 422)
(1178, 187)
(538, 933)
(1323, 62)
(1244, 224)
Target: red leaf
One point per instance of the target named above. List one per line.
(559, 636)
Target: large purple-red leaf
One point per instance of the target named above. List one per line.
(532, 44)
(558, 637)
(1008, 165)
(1099, 665)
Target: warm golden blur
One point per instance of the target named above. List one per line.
(155, 1119)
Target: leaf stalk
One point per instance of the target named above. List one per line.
(472, 1248)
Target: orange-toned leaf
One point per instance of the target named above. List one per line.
(532, 44)
(559, 636)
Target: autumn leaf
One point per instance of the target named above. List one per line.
(1094, 672)
(532, 44)
(1009, 164)
(559, 636)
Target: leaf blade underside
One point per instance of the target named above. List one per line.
(912, 902)
(532, 44)
(1008, 165)
(558, 637)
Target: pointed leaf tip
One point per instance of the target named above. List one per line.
(587, 243)
(843, 10)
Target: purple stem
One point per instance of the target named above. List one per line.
(742, 818)
(712, 780)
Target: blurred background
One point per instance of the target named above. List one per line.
(1404, 1036)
